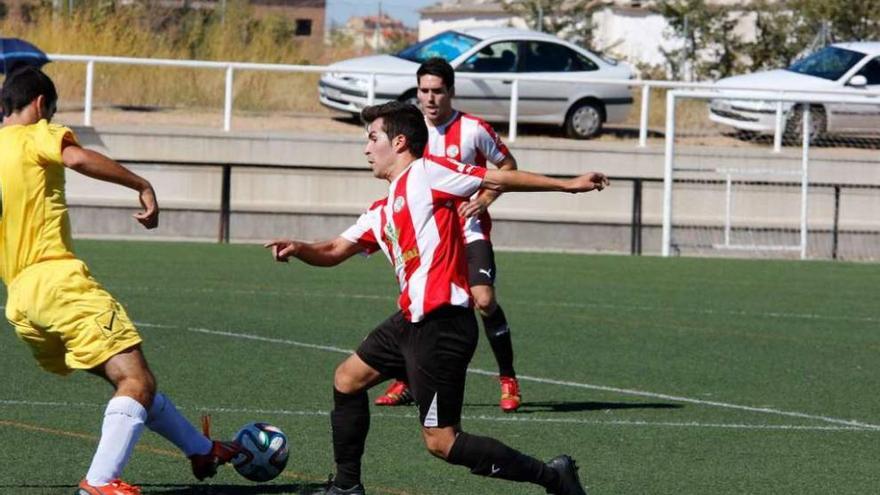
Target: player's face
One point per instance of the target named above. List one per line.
(379, 151)
(435, 99)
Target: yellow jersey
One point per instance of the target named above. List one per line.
(34, 224)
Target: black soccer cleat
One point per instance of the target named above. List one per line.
(569, 482)
(331, 489)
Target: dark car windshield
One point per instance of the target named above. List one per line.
(448, 45)
(828, 63)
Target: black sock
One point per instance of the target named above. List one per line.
(498, 334)
(489, 457)
(350, 421)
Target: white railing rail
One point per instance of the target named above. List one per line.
(646, 86)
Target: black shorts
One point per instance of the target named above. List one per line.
(432, 356)
(481, 263)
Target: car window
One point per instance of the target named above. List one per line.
(871, 71)
(828, 63)
(539, 56)
(447, 45)
(497, 57)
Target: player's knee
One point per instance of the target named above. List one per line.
(140, 387)
(484, 301)
(438, 441)
(343, 381)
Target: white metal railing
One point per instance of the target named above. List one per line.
(646, 86)
(803, 174)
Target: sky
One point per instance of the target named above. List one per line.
(339, 11)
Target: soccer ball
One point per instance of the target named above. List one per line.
(265, 452)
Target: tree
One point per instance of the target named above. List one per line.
(568, 19)
(710, 46)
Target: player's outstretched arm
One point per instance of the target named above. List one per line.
(487, 196)
(518, 180)
(98, 166)
(325, 253)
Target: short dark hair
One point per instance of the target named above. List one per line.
(24, 85)
(439, 67)
(400, 118)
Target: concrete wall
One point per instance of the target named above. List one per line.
(322, 200)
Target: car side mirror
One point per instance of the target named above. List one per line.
(858, 81)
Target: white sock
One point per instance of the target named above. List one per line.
(123, 423)
(165, 420)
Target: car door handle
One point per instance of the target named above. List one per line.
(507, 82)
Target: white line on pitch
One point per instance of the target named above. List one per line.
(640, 393)
(483, 417)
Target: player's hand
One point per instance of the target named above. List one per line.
(593, 181)
(473, 208)
(282, 249)
(149, 217)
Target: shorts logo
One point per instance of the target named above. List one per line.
(452, 150)
(106, 322)
(487, 272)
(399, 202)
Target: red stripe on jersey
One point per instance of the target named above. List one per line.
(449, 263)
(410, 255)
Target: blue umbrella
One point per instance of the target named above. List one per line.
(15, 52)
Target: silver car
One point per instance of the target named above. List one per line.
(581, 108)
(853, 66)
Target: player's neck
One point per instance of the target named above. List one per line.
(443, 119)
(401, 163)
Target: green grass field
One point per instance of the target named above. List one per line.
(684, 376)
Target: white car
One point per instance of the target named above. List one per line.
(853, 66)
(581, 108)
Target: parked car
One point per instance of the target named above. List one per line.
(854, 66)
(579, 107)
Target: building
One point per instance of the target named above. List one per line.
(461, 14)
(377, 32)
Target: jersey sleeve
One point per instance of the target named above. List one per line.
(362, 231)
(452, 178)
(48, 140)
(490, 145)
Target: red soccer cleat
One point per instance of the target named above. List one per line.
(397, 394)
(510, 396)
(205, 465)
(115, 487)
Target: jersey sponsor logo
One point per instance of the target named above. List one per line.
(452, 150)
(399, 203)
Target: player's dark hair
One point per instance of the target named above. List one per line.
(22, 86)
(400, 118)
(439, 67)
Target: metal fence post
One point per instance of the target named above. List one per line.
(805, 177)
(90, 89)
(636, 233)
(667, 173)
(371, 89)
(225, 209)
(514, 104)
(835, 232)
(643, 123)
(777, 134)
(227, 101)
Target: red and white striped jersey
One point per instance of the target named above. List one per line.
(471, 140)
(418, 228)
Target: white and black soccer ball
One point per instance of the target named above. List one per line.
(264, 453)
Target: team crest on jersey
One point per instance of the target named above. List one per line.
(452, 150)
(399, 203)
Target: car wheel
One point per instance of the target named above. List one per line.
(410, 97)
(795, 125)
(584, 120)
